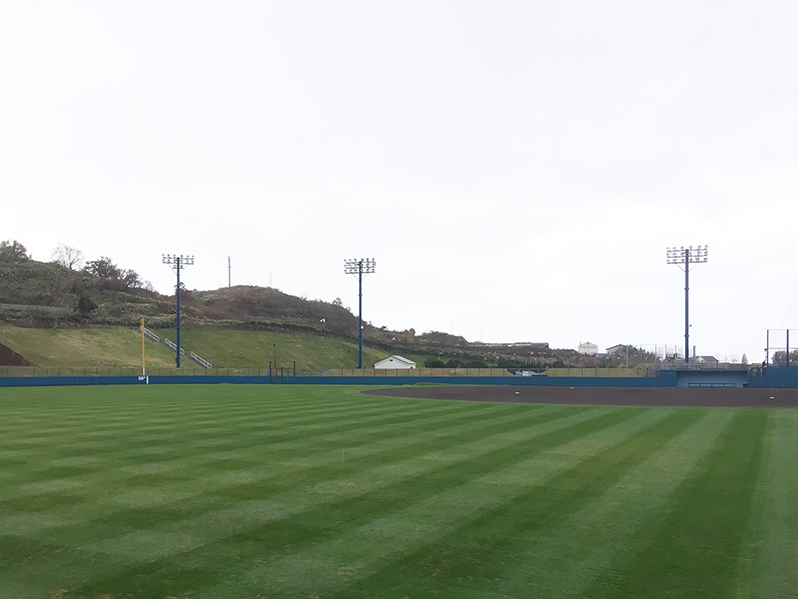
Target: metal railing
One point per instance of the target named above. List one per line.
(151, 336)
(200, 360)
(173, 346)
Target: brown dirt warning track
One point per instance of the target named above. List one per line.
(606, 396)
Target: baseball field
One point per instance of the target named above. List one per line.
(228, 491)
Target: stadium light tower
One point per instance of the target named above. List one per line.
(360, 267)
(683, 257)
(178, 263)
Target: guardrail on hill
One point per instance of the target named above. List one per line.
(171, 345)
(200, 360)
(151, 336)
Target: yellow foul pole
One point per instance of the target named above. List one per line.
(143, 365)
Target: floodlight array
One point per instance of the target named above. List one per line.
(178, 261)
(360, 266)
(687, 255)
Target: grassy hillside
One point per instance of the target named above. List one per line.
(224, 348)
(86, 299)
(103, 295)
(83, 347)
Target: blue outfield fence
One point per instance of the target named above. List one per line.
(784, 377)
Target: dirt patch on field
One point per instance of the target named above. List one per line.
(607, 396)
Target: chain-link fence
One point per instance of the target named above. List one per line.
(38, 371)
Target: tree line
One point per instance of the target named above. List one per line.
(72, 258)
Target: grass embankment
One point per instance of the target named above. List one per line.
(226, 348)
(291, 491)
(78, 348)
(223, 348)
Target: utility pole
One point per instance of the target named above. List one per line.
(360, 267)
(683, 258)
(178, 263)
(229, 276)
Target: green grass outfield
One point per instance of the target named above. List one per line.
(315, 492)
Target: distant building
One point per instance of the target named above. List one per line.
(616, 350)
(588, 349)
(709, 360)
(395, 362)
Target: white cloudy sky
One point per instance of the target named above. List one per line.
(517, 168)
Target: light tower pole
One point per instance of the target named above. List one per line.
(178, 263)
(360, 267)
(683, 257)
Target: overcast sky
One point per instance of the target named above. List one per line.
(516, 168)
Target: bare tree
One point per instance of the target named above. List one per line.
(67, 256)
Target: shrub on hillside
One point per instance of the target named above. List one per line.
(13, 251)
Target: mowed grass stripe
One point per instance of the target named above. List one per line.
(123, 402)
(317, 527)
(480, 546)
(423, 519)
(148, 545)
(691, 548)
(259, 416)
(151, 569)
(154, 497)
(187, 483)
(772, 568)
(205, 495)
(61, 415)
(114, 474)
(125, 446)
(588, 540)
(105, 425)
